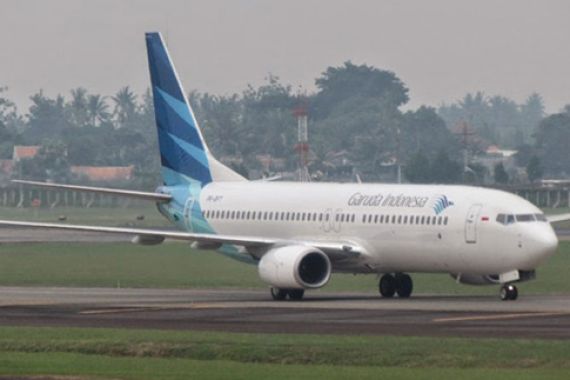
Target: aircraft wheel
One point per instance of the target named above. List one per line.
(509, 292)
(387, 286)
(278, 294)
(404, 285)
(296, 294)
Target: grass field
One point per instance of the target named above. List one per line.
(176, 265)
(143, 354)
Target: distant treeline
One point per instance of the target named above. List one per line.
(355, 121)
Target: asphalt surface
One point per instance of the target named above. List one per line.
(319, 313)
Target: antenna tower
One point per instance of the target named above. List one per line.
(302, 146)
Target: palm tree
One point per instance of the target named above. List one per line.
(79, 106)
(97, 110)
(125, 106)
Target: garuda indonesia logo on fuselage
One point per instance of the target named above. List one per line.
(441, 203)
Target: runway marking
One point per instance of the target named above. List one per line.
(120, 310)
(495, 317)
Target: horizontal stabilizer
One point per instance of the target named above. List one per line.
(157, 197)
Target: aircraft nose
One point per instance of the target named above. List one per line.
(545, 242)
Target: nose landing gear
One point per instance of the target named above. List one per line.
(509, 292)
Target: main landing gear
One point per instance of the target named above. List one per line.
(509, 292)
(279, 294)
(399, 283)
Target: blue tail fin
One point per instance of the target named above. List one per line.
(183, 151)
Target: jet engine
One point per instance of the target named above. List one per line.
(295, 267)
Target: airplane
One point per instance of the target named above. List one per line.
(299, 233)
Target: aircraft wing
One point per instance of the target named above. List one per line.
(335, 250)
(558, 218)
(157, 197)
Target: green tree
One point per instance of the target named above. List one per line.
(444, 169)
(500, 174)
(125, 106)
(46, 118)
(496, 118)
(534, 169)
(418, 169)
(78, 107)
(552, 141)
(10, 122)
(338, 84)
(97, 110)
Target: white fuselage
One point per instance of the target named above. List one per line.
(402, 228)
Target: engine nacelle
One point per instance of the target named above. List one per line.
(295, 267)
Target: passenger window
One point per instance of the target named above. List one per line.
(405, 219)
(320, 217)
(399, 219)
(439, 220)
(375, 218)
(445, 221)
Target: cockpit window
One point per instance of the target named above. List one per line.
(525, 218)
(506, 219)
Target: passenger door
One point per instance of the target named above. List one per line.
(471, 224)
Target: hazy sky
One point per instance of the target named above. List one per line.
(440, 48)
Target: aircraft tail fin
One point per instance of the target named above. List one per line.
(184, 155)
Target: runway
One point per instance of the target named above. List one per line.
(320, 313)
